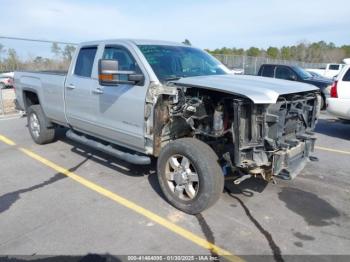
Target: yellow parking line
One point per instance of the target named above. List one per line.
(332, 150)
(129, 204)
(7, 141)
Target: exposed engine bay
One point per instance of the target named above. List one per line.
(250, 139)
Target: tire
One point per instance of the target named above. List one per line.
(204, 189)
(37, 125)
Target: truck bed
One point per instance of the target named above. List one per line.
(49, 85)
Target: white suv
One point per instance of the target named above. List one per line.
(338, 104)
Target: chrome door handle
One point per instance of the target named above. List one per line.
(70, 86)
(97, 91)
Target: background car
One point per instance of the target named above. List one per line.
(329, 71)
(238, 71)
(6, 80)
(296, 73)
(316, 75)
(338, 104)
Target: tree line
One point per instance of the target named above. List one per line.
(60, 60)
(316, 52)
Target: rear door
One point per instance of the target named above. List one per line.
(78, 87)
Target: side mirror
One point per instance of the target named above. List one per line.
(108, 67)
(107, 70)
(109, 74)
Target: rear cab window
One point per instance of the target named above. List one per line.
(85, 61)
(334, 67)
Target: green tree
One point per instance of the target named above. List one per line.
(273, 52)
(68, 52)
(301, 51)
(187, 42)
(253, 51)
(38, 60)
(2, 50)
(12, 61)
(239, 51)
(56, 50)
(346, 49)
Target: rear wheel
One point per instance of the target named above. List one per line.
(189, 175)
(37, 125)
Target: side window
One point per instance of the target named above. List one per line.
(85, 61)
(347, 76)
(284, 73)
(125, 60)
(268, 70)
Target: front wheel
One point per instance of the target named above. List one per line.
(189, 175)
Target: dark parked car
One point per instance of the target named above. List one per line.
(296, 73)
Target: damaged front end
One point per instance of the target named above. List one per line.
(275, 139)
(250, 139)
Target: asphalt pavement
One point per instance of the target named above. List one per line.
(45, 212)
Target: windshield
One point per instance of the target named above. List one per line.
(173, 62)
(302, 73)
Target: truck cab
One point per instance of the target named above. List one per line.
(115, 112)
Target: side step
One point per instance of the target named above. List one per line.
(108, 149)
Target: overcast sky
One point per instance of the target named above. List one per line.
(207, 24)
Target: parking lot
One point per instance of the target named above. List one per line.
(6, 105)
(63, 198)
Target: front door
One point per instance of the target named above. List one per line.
(118, 110)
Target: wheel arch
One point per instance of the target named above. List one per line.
(30, 97)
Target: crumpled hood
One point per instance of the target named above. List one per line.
(261, 90)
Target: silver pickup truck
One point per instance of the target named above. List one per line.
(141, 99)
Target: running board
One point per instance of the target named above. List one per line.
(108, 149)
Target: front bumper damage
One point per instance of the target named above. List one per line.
(277, 139)
(287, 164)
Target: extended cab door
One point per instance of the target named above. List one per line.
(78, 87)
(118, 110)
